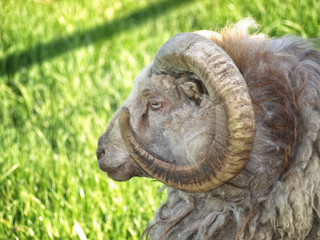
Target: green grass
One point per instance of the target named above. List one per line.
(65, 67)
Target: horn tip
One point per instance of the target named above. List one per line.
(124, 115)
(126, 110)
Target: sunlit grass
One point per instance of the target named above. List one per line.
(65, 67)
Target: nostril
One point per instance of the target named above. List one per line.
(100, 152)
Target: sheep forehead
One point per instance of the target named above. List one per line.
(146, 81)
(141, 80)
(156, 82)
(165, 82)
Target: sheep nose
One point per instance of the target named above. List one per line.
(100, 152)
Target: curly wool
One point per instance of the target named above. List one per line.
(277, 195)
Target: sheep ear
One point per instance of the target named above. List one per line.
(192, 90)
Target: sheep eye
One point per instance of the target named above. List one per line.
(155, 105)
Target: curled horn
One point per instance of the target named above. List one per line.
(234, 133)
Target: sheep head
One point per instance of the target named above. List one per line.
(239, 121)
(189, 121)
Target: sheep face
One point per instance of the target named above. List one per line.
(169, 115)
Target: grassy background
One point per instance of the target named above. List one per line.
(65, 67)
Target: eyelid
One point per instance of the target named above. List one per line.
(155, 98)
(155, 105)
(154, 101)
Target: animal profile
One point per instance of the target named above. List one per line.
(230, 122)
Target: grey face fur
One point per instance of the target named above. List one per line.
(170, 117)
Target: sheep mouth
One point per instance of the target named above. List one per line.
(124, 171)
(111, 171)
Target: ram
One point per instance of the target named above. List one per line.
(230, 123)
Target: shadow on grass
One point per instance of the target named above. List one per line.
(44, 51)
